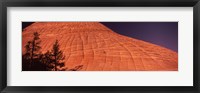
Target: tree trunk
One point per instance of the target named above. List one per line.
(32, 53)
(55, 64)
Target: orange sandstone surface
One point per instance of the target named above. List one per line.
(98, 48)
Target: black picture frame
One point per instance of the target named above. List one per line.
(98, 3)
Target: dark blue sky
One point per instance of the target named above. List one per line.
(160, 33)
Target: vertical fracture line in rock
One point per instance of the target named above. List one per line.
(66, 41)
(113, 47)
(106, 43)
(90, 63)
(61, 42)
(85, 63)
(71, 46)
(143, 52)
(140, 57)
(82, 41)
(124, 46)
(104, 59)
(74, 51)
(149, 56)
(154, 60)
(86, 41)
(66, 60)
(104, 51)
(96, 52)
(64, 50)
(110, 48)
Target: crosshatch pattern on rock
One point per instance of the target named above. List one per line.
(98, 48)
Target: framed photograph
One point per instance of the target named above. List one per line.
(99, 46)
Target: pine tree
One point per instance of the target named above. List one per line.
(28, 50)
(48, 60)
(57, 55)
(26, 57)
(32, 48)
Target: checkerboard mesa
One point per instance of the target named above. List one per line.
(97, 48)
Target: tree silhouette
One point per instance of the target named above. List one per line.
(32, 49)
(26, 57)
(34, 60)
(28, 51)
(48, 60)
(57, 56)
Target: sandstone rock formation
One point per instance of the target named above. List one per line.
(98, 48)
